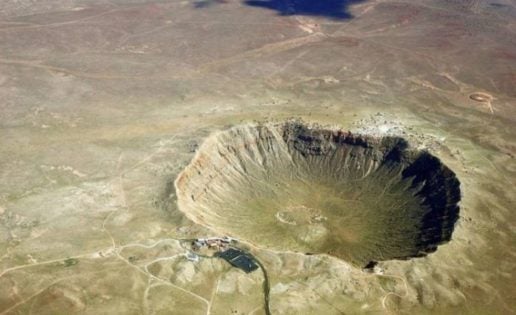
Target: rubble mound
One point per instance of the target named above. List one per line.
(304, 188)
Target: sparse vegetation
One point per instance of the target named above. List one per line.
(70, 262)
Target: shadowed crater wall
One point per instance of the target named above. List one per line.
(298, 187)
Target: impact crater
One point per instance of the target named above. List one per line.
(301, 187)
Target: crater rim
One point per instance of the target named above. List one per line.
(297, 140)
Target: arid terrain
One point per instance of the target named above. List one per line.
(105, 105)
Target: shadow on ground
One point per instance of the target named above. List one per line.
(199, 4)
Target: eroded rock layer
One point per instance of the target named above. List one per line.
(303, 188)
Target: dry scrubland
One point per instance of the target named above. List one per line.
(105, 103)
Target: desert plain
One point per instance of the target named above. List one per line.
(104, 104)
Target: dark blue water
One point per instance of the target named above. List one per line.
(335, 9)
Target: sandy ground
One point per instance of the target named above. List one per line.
(103, 103)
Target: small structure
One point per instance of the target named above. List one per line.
(239, 259)
(192, 257)
(214, 243)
